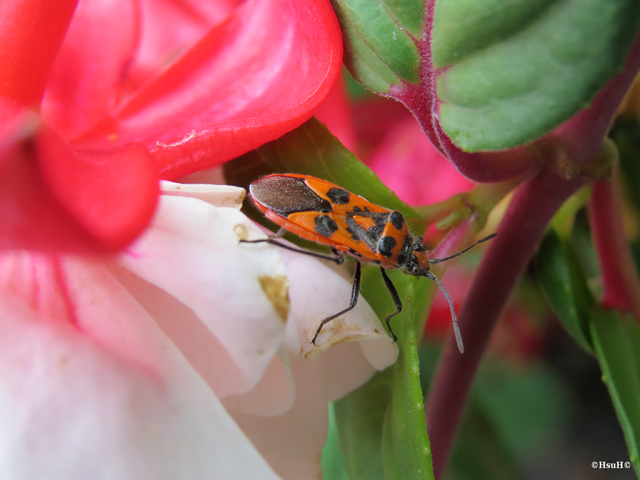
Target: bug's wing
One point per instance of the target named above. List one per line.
(322, 212)
(355, 234)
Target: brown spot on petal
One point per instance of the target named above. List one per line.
(241, 231)
(62, 362)
(277, 291)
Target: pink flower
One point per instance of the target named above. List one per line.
(139, 338)
(408, 163)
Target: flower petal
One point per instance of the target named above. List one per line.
(168, 28)
(406, 160)
(318, 291)
(237, 293)
(344, 368)
(31, 217)
(251, 79)
(274, 395)
(111, 198)
(292, 443)
(31, 32)
(91, 65)
(216, 195)
(59, 388)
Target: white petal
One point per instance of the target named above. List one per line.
(238, 291)
(318, 291)
(344, 368)
(274, 395)
(72, 409)
(216, 195)
(292, 443)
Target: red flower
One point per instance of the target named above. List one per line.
(130, 92)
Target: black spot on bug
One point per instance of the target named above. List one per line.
(385, 245)
(366, 209)
(325, 225)
(397, 220)
(338, 196)
(354, 253)
(376, 231)
(354, 237)
(378, 228)
(357, 209)
(380, 220)
(377, 262)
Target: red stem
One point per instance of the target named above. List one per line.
(523, 226)
(619, 275)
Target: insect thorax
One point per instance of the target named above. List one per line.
(413, 259)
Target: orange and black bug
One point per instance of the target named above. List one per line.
(325, 213)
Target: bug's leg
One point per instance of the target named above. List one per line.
(271, 239)
(396, 299)
(355, 291)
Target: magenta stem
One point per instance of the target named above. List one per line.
(534, 204)
(619, 275)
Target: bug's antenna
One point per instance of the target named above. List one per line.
(438, 260)
(454, 320)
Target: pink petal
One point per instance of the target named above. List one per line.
(410, 165)
(72, 409)
(335, 112)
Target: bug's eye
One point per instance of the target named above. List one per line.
(415, 270)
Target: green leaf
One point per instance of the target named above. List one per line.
(515, 69)
(480, 454)
(616, 342)
(626, 135)
(563, 283)
(332, 461)
(360, 418)
(382, 425)
(380, 51)
(527, 405)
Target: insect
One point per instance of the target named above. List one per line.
(323, 212)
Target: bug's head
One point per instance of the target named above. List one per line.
(418, 263)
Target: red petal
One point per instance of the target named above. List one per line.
(168, 28)
(31, 32)
(336, 113)
(250, 80)
(31, 218)
(111, 198)
(91, 65)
